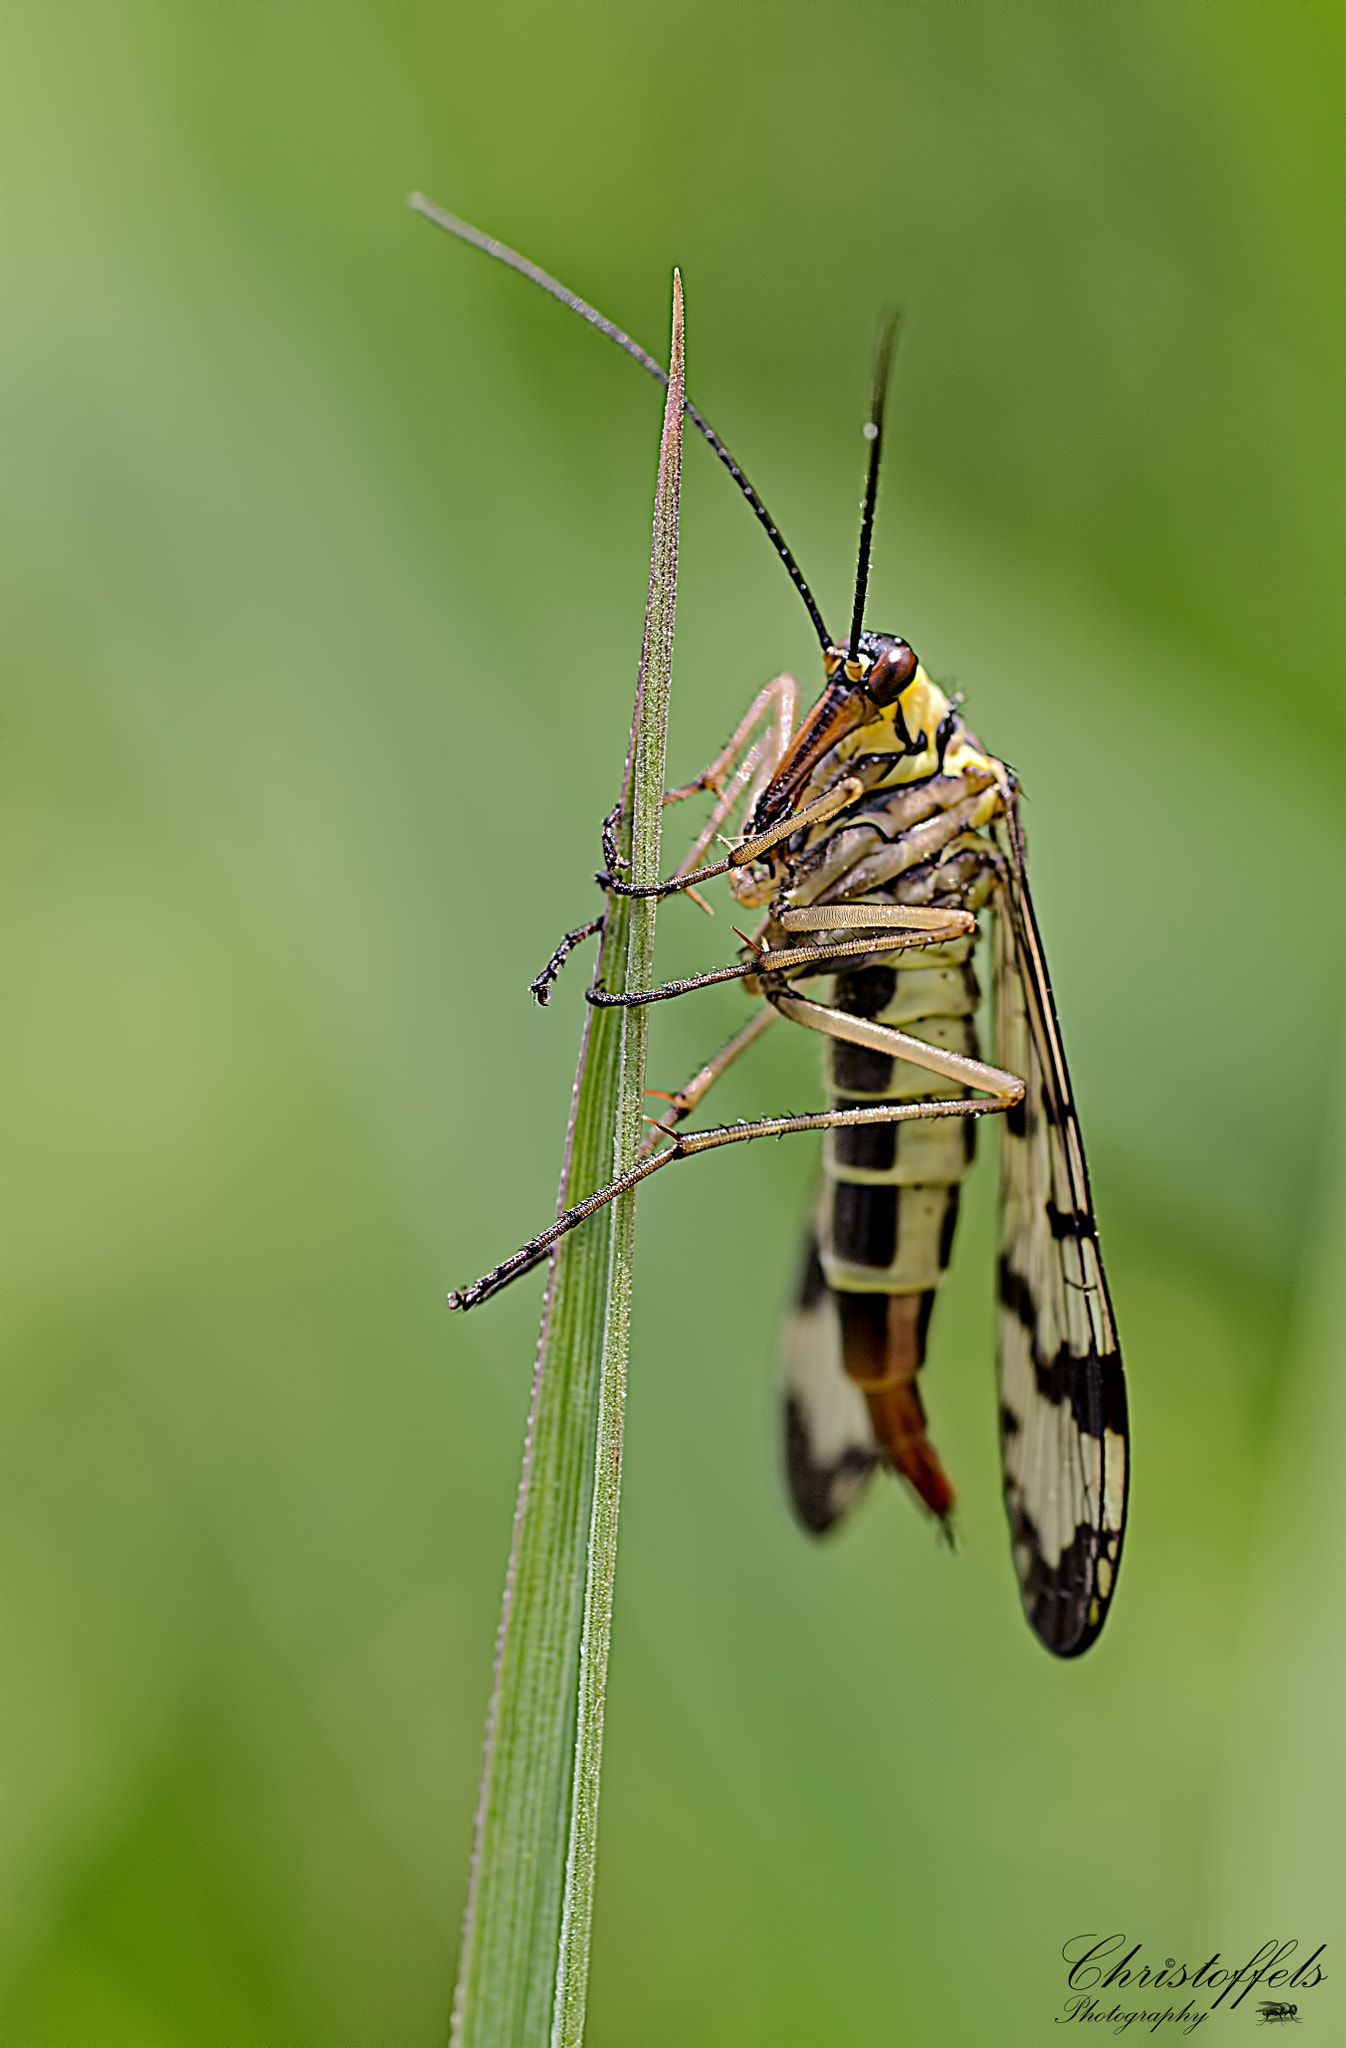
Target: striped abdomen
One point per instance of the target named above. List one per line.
(889, 1203)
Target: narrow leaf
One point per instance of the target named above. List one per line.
(647, 784)
(521, 1981)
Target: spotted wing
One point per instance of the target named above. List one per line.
(1062, 1394)
(830, 1448)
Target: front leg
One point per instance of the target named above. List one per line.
(777, 703)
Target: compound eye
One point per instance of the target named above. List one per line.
(891, 673)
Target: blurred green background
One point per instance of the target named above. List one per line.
(324, 558)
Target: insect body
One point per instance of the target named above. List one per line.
(875, 833)
(889, 1200)
(936, 829)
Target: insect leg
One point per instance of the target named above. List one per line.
(947, 924)
(542, 986)
(780, 697)
(535, 1251)
(749, 779)
(1006, 1089)
(756, 765)
(794, 959)
(942, 923)
(690, 1097)
(753, 771)
(683, 1146)
(749, 850)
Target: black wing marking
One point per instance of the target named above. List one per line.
(1062, 1394)
(830, 1448)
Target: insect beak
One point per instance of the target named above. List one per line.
(840, 709)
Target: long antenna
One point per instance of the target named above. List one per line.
(512, 259)
(889, 323)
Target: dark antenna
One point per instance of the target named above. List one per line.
(889, 323)
(511, 258)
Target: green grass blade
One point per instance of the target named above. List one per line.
(533, 1853)
(647, 784)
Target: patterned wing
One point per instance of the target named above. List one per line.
(1062, 1394)
(830, 1448)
